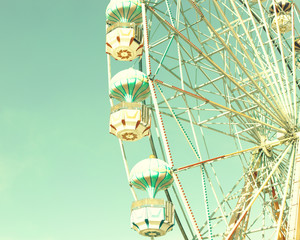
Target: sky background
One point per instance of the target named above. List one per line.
(61, 172)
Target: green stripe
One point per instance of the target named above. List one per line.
(131, 86)
(116, 95)
(138, 11)
(128, 10)
(138, 185)
(142, 91)
(166, 181)
(132, 14)
(117, 9)
(115, 13)
(143, 180)
(121, 89)
(112, 19)
(153, 179)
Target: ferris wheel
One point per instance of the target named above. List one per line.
(216, 99)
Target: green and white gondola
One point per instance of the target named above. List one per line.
(152, 217)
(130, 120)
(124, 37)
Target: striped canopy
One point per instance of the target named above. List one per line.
(124, 11)
(281, 6)
(151, 175)
(129, 85)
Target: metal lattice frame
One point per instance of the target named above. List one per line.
(220, 74)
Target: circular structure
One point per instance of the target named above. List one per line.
(129, 85)
(225, 108)
(151, 175)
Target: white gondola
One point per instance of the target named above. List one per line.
(124, 41)
(130, 121)
(152, 217)
(124, 37)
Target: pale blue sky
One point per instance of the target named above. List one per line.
(61, 174)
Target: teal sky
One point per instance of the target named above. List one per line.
(61, 173)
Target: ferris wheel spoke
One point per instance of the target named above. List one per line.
(220, 106)
(283, 59)
(189, 86)
(244, 199)
(272, 48)
(276, 91)
(246, 129)
(232, 54)
(245, 139)
(241, 121)
(196, 151)
(201, 68)
(271, 145)
(178, 114)
(215, 159)
(294, 85)
(211, 92)
(216, 66)
(203, 168)
(262, 20)
(252, 130)
(251, 111)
